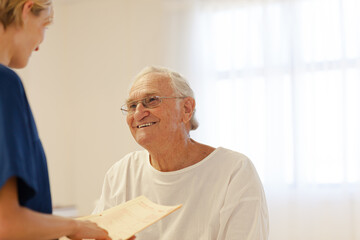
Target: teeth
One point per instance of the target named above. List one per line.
(145, 125)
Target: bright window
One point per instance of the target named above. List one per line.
(285, 87)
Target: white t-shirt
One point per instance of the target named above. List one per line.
(222, 197)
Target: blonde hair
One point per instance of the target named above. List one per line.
(11, 10)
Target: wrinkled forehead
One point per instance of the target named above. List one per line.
(151, 84)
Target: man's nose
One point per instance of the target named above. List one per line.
(140, 111)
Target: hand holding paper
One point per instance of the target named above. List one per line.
(129, 218)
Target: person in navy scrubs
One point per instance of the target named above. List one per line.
(25, 199)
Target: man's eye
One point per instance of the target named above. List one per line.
(132, 106)
(152, 99)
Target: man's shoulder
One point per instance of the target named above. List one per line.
(231, 156)
(128, 166)
(231, 161)
(240, 168)
(130, 159)
(134, 156)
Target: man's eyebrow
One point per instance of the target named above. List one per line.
(129, 100)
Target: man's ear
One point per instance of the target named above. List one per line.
(27, 10)
(188, 108)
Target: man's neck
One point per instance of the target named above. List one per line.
(179, 156)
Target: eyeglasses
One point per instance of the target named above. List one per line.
(148, 102)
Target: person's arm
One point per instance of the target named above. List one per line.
(17, 222)
(244, 214)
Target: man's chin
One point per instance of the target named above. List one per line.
(143, 140)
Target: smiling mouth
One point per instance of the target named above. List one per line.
(146, 125)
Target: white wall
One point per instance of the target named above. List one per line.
(79, 79)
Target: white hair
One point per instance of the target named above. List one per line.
(178, 82)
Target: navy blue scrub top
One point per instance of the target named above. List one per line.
(21, 151)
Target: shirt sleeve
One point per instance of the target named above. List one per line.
(244, 215)
(15, 136)
(107, 200)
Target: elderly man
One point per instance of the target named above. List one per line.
(221, 193)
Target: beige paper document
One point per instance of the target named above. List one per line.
(129, 218)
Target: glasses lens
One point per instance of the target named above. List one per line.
(151, 102)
